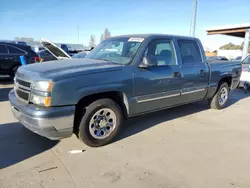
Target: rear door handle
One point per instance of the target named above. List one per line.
(177, 74)
(202, 72)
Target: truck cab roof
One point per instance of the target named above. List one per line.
(153, 35)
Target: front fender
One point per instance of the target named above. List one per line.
(99, 89)
(71, 90)
(83, 92)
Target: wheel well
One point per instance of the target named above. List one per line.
(11, 72)
(13, 68)
(117, 96)
(227, 80)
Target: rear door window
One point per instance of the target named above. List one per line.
(14, 50)
(190, 52)
(3, 49)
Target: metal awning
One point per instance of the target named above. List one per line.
(242, 31)
(233, 30)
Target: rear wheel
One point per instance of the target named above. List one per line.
(220, 99)
(101, 123)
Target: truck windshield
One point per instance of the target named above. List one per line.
(116, 50)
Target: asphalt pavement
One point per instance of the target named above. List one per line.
(190, 146)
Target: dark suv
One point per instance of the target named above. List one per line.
(10, 57)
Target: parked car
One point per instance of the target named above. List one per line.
(10, 53)
(37, 48)
(217, 58)
(21, 42)
(238, 58)
(15, 42)
(45, 55)
(58, 53)
(93, 96)
(54, 50)
(69, 50)
(245, 75)
(8, 41)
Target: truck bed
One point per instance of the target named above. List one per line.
(220, 69)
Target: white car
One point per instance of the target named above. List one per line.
(245, 75)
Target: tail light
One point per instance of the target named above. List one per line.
(37, 59)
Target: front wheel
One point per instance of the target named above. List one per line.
(101, 123)
(220, 99)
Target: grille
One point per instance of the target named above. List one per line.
(23, 83)
(22, 89)
(23, 95)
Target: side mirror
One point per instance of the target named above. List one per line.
(148, 61)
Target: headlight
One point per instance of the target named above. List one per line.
(39, 100)
(43, 86)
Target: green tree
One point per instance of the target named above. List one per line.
(231, 46)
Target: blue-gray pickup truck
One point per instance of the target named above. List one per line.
(122, 77)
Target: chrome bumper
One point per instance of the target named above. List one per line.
(54, 122)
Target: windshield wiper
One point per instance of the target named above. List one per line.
(102, 59)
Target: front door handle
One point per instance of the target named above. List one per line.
(177, 74)
(202, 72)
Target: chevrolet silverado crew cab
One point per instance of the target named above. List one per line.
(122, 77)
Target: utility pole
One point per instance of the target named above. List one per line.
(193, 20)
(78, 33)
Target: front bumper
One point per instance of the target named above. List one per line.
(54, 122)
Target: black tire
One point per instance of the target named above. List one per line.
(214, 102)
(83, 132)
(13, 72)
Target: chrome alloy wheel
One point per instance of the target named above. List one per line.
(223, 95)
(102, 123)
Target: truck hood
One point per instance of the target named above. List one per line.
(56, 70)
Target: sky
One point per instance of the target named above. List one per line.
(57, 20)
